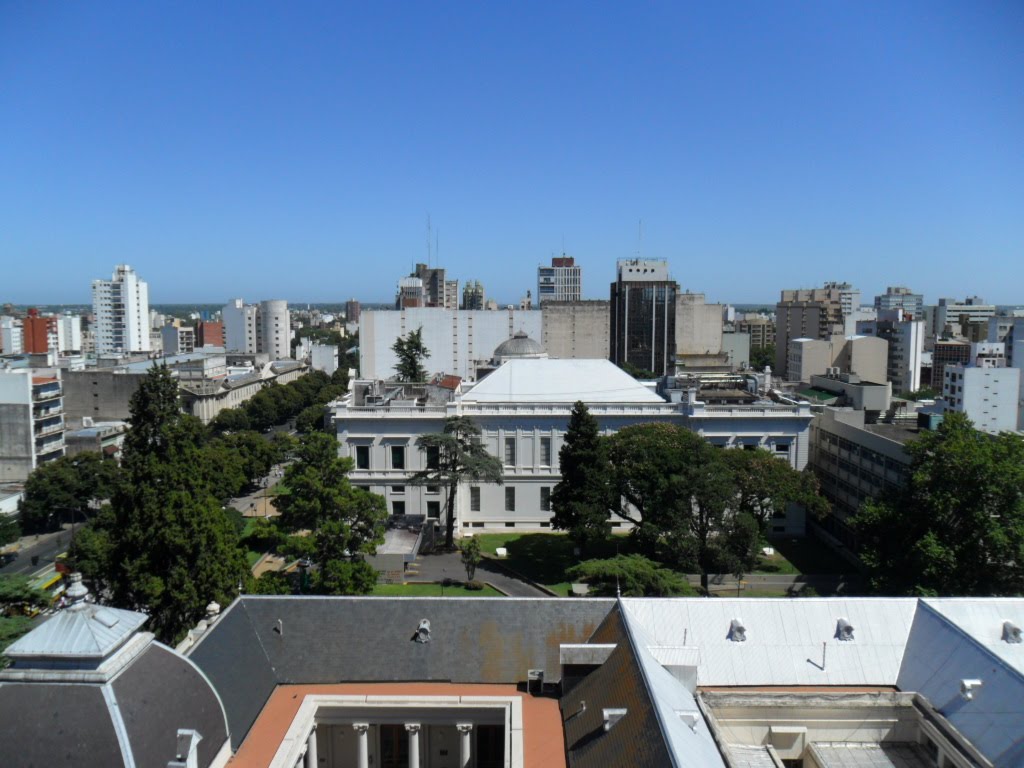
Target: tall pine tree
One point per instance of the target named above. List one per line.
(581, 500)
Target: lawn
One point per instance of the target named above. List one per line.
(805, 556)
(431, 590)
(545, 557)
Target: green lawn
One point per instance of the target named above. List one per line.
(545, 557)
(805, 556)
(431, 590)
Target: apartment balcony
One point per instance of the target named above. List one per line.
(50, 392)
(52, 428)
(45, 411)
(48, 447)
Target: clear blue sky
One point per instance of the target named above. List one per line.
(294, 150)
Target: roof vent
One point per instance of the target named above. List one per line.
(737, 632)
(968, 687)
(422, 632)
(1011, 632)
(612, 716)
(106, 618)
(689, 717)
(844, 630)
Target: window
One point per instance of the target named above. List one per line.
(398, 457)
(433, 489)
(510, 451)
(398, 489)
(545, 499)
(434, 510)
(510, 499)
(362, 457)
(474, 499)
(433, 457)
(397, 507)
(545, 451)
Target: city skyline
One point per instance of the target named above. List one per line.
(277, 152)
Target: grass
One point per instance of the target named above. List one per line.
(545, 557)
(431, 590)
(802, 556)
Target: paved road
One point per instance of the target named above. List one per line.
(448, 565)
(47, 548)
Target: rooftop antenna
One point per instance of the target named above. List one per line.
(428, 239)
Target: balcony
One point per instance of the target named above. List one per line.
(50, 392)
(50, 446)
(42, 430)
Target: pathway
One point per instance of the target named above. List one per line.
(448, 565)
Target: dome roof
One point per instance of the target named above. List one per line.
(519, 346)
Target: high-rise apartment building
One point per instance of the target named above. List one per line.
(39, 333)
(948, 352)
(643, 316)
(209, 334)
(12, 340)
(31, 421)
(947, 316)
(984, 389)
(811, 313)
(253, 328)
(352, 311)
(473, 295)
(900, 297)
(562, 281)
(121, 308)
(411, 293)
(761, 330)
(69, 334)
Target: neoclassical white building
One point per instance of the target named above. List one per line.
(523, 409)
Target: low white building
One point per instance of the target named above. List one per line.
(324, 357)
(523, 409)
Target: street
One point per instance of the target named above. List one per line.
(46, 548)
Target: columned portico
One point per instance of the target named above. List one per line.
(311, 753)
(363, 749)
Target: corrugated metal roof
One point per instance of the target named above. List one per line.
(982, 619)
(560, 381)
(784, 638)
(93, 632)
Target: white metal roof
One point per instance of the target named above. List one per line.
(93, 632)
(982, 619)
(560, 381)
(784, 638)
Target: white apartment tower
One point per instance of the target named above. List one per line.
(562, 281)
(121, 308)
(263, 327)
(984, 389)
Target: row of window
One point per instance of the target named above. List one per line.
(434, 507)
(433, 456)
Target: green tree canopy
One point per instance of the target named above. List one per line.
(167, 548)
(455, 456)
(957, 528)
(63, 490)
(581, 500)
(630, 575)
(471, 556)
(762, 356)
(345, 522)
(765, 484)
(411, 353)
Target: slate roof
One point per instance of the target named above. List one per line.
(351, 639)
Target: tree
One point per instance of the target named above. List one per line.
(581, 500)
(170, 548)
(679, 493)
(631, 576)
(9, 529)
(63, 490)
(311, 419)
(453, 457)
(957, 527)
(470, 549)
(766, 484)
(411, 353)
(230, 420)
(346, 522)
(760, 357)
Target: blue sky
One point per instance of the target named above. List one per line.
(295, 150)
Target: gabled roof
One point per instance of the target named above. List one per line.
(560, 381)
(784, 638)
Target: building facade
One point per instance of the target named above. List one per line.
(576, 329)
(562, 281)
(901, 298)
(39, 333)
(643, 316)
(760, 329)
(473, 295)
(121, 310)
(258, 328)
(209, 333)
(906, 346)
(815, 313)
(31, 421)
(983, 389)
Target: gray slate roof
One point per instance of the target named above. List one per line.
(349, 639)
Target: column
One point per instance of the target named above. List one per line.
(414, 744)
(465, 744)
(363, 759)
(311, 756)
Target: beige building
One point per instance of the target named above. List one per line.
(815, 313)
(698, 325)
(576, 329)
(864, 356)
(761, 330)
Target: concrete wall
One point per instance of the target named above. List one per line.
(578, 329)
(698, 325)
(103, 395)
(16, 439)
(737, 347)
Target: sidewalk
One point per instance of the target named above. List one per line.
(448, 565)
